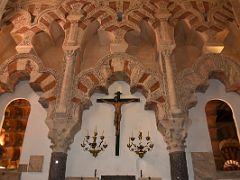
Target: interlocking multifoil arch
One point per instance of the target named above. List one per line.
(107, 70)
(195, 79)
(28, 67)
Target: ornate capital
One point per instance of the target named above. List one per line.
(63, 127)
(25, 46)
(75, 17)
(119, 44)
(167, 50)
(70, 51)
(163, 15)
(174, 130)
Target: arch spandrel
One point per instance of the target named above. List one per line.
(208, 66)
(28, 67)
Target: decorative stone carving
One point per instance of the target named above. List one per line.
(74, 17)
(119, 44)
(215, 65)
(174, 130)
(63, 126)
(27, 66)
(25, 46)
(147, 80)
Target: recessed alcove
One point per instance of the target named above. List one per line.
(135, 118)
(223, 135)
(12, 132)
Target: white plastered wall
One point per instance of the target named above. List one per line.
(36, 140)
(198, 139)
(134, 118)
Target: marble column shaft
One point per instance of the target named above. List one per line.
(57, 166)
(178, 164)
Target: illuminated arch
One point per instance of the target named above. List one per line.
(12, 132)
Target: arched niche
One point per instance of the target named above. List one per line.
(223, 135)
(95, 45)
(143, 45)
(134, 119)
(12, 132)
(49, 45)
(7, 43)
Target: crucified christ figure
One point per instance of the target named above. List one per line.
(117, 102)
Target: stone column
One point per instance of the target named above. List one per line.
(70, 47)
(166, 52)
(62, 129)
(57, 166)
(174, 136)
(173, 127)
(165, 45)
(178, 164)
(64, 117)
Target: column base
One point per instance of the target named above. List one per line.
(57, 166)
(178, 164)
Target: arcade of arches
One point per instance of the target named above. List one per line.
(181, 58)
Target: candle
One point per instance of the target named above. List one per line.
(148, 133)
(102, 132)
(87, 132)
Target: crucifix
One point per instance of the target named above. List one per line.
(117, 102)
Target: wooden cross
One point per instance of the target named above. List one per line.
(117, 102)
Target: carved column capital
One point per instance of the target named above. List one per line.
(163, 15)
(174, 130)
(64, 126)
(70, 51)
(167, 50)
(119, 44)
(25, 46)
(74, 17)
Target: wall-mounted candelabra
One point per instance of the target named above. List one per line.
(139, 148)
(96, 145)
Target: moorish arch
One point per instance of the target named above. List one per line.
(123, 67)
(28, 67)
(195, 79)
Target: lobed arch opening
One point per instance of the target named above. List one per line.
(142, 44)
(223, 135)
(48, 45)
(8, 42)
(119, 67)
(28, 67)
(111, 69)
(209, 66)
